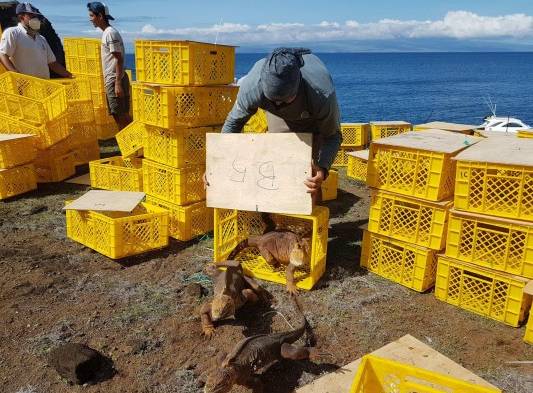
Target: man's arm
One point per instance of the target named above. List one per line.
(248, 100)
(7, 49)
(59, 70)
(119, 70)
(6, 62)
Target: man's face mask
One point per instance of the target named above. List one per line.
(35, 24)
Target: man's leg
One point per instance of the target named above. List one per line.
(119, 107)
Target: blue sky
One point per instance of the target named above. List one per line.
(378, 25)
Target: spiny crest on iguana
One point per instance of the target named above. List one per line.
(279, 247)
(257, 352)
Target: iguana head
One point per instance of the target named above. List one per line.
(222, 307)
(301, 252)
(222, 380)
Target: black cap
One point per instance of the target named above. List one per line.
(99, 8)
(280, 75)
(26, 8)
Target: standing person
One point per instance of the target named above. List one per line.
(116, 81)
(296, 90)
(24, 50)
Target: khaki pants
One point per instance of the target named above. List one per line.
(277, 124)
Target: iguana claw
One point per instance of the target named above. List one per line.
(209, 331)
(291, 288)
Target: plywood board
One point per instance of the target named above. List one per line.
(392, 122)
(114, 201)
(10, 137)
(362, 154)
(500, 150)
(84, 180)
(259, 172)
(407, 350)
(442, 125)
(430, 140)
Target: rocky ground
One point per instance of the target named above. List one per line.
(143, 312)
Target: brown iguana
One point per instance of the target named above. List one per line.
(231, 291)
(256, 353)
(279, 247)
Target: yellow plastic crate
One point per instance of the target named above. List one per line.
(170, 107)
(341, 159)
(384, 129)
(98, 93)
(232, 226)
(354, 134)
(86, 152)
(524, 134)
(117, 174)
(330, 186)
(83, 133)
(55, 168)
(176, 147)
(185, 63)
(528, 337)
(16, 150)
(79, 101)
(499, 244)
(486, 292)
(118, 235)
(33, 100)
(83, 56)
(130, 139)
(422, 174)
(499, 190)
(357, 165)
(17, 181)
(408, 219)
(47, 136)
(186, 222)
(181, 186)
(258, 123)
(407, 264)
(378, 375)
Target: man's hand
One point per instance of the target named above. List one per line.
(119, 91)
(314, 183)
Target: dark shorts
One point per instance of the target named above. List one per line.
(119, 105)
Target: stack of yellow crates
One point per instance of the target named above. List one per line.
(83, 59)
(412, 176)
(182, 92)
(354, 138)
(30, 105)
(489, 249)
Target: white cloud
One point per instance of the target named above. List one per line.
(455, 24)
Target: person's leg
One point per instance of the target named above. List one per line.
(119, 107)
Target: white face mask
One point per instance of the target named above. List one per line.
(35, 24)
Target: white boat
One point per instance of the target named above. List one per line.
(503, 124)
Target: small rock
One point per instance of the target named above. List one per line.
(80, 364)
(193, 291)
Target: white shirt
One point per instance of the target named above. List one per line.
(30, 56)
(111, 42)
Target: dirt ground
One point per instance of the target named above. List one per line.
(142, 312)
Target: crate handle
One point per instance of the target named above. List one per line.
(493, 228)
(213, 52)
(161, 50)
(149, 92)
(413, 206)
(477, 275)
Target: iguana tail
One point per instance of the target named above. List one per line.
(303, 327)
(238, 248)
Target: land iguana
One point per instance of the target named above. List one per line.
(231, 291)
(279, 247)
(256, 353)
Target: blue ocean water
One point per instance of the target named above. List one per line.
(421, 87)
